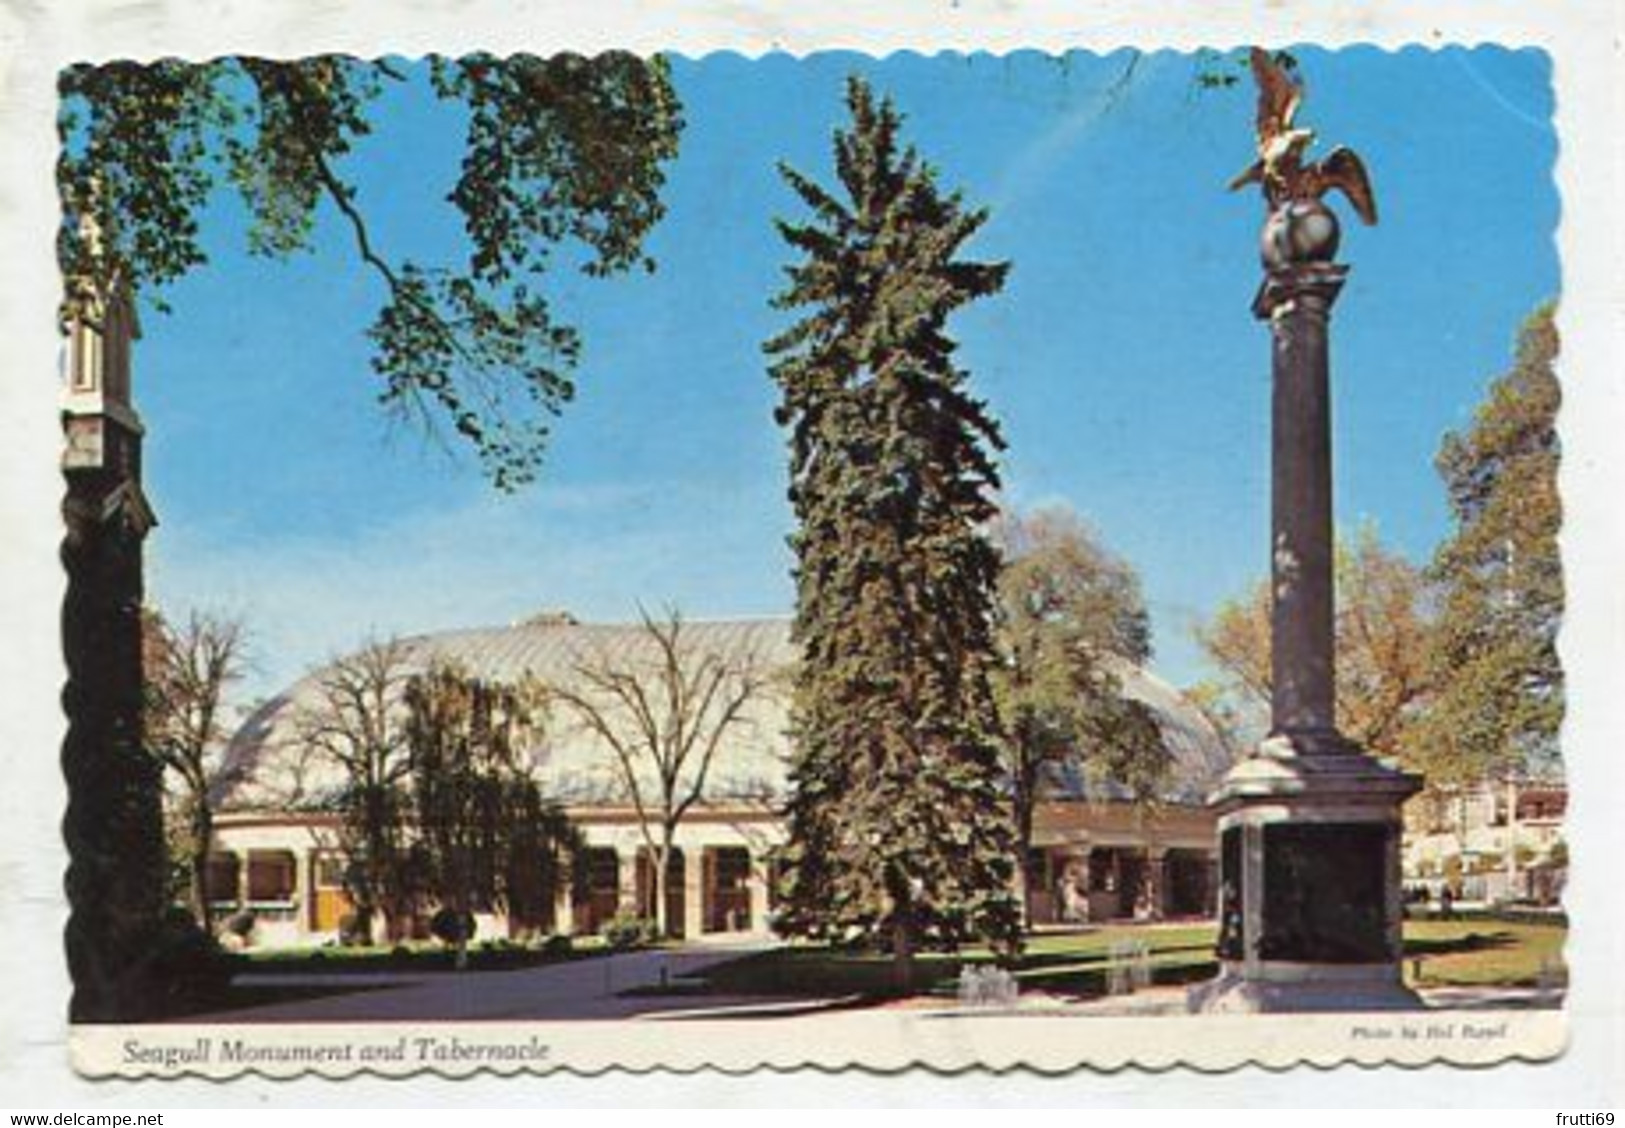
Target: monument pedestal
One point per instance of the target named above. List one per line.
(1310, 894)
(1311, 988)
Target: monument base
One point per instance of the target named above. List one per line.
(1287, 988)
(1311, 909)
(1313, 769)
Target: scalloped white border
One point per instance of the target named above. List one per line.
(884, 1041)
(1584, 39)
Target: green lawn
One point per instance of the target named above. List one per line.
(1484, 952)
(1075, 964)
(1078, 964)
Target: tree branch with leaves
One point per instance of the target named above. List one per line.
(563, 157)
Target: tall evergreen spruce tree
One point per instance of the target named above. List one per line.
(899, 825)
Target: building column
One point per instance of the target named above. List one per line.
(1073, 891)
(1212, 890)
(244, 861)
(1156, 884)
(626, 881)
(694, 902)
(1511, 859)
(757, 884)
(564, 909)
(304, 881)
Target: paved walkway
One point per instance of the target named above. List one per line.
(586, 988)
(593, 989)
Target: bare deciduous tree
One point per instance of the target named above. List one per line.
(664, 715)
(356, 725)
(189, 670)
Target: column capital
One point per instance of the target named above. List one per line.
(1310, 286)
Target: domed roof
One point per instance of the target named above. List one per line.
(270, 764)
(1197, 754)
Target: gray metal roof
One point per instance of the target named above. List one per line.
(269, 767)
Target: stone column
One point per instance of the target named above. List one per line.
(1395, 892)
(1252, 893)
(1296, 300)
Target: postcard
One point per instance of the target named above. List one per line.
(618, 555)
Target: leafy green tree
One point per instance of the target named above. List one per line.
(898, 822)
(1383, 682)
(1070, 613)
(487, 836)
(1500, 698)
(563, 161)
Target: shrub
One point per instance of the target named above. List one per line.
(187, 963)
(628, 930)
(241, 925)
(353, 931)
(450, 927)
(557, 946)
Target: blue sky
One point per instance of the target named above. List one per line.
(1121, 358)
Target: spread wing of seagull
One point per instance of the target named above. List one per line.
(1278, 96)
(1280, 167)
(1278, 100)
(1344, 170)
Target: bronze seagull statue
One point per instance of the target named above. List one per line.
(1280, 167)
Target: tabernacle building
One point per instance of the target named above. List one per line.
(1096, 856)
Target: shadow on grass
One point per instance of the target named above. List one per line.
(1082, 982)
(809, 973)
(1453, 945)
(371, 961)
(220, 999)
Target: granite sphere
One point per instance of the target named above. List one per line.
(1299, 231)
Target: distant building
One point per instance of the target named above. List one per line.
(1096, 856)
(1494, 841)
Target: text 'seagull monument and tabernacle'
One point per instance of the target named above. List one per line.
(1309, 824)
